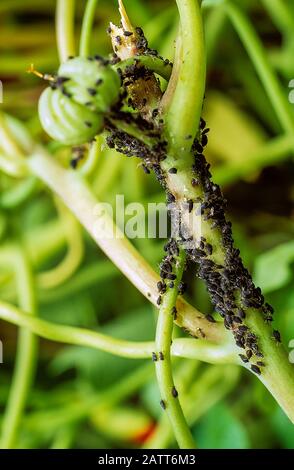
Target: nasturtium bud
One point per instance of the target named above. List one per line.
(72, 110)
(67, 121)
(90, 82)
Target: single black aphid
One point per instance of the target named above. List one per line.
(210, 318)
(92, 91)
(145, 169)
(277, 336)
(174, 392)
(260, 363)
(256, 369)
(182, 288)
(128, 33)
(243, 358)
(161, 356)
(154, 357)
(172, 170)
(158, 301)
(190, 205)
(249, 353)
(162, 404)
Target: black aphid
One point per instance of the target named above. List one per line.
(210, 318)
(154, 357)
(145, 169)
(158, 301)
(128, 33)
(92, 91)
(161, 356)
(174, 392)
(182, 288)
(162, 404)
(277, 336)
(255, 369)
(172, 170)
(243, 358)
(161, 286)
(190, 205)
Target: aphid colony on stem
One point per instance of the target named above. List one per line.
(92, 94)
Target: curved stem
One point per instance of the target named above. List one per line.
(26, 350)
(87, 26)
(96, 220)
(258, 56)
(73, 258)
(184, 347)
(169, 397)
(65, 13)
(184, 110)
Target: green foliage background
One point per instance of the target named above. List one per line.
(84, 398)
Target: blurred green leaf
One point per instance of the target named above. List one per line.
(221, 429)
(272, 269)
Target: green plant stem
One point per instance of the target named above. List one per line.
(65, 13)
(92, 215)
(163, 367)
(73, 258)
(26, 356)
(182, 347)
(87, 25)
(185, 104)
(262, 65)
(280, 14)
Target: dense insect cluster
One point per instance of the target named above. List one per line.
(229, 283)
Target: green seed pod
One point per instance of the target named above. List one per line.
(72, 110)
(90, 82)
(67, 121)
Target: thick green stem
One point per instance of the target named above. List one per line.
(96, 220)
(184, 110)
(169, 394)
(182, 347)
(26, 348)
(87, 26)
(65, 13)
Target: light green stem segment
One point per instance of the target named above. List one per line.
(188, 79)
(278, 373)
(163, 366)
(87, 26)
(258, 56)
(182, 347)
(26, 356)
(65, 12)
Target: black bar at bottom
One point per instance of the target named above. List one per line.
(117, 458)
